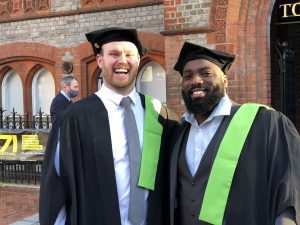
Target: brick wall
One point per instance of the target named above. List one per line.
(183, 14)
(66, 31)
(240, 28)
(172, 48)
(64, 5)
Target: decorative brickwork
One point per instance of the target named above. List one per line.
(29, 6)
(19, 8)
(13, 10)
(4, 8)
(221, 12)
(16, 6)
(43, 5)
(115, 3)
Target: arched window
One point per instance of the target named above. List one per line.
(43, 91)
(152, 81)
(12, 93)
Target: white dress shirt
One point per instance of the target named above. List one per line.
(201, 135)
(111, 101)
(64, 94)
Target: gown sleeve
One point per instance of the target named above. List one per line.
(286, 218)
(284, 160)
(52, 195)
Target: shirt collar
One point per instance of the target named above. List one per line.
(64, 94)
(222, 109)
(107, 94)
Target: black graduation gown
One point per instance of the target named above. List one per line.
(267, 177)
(87, 183)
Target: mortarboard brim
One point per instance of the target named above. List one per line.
(100, 37)
(191, 51)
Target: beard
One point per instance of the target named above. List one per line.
(203, 106)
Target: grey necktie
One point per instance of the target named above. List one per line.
(137, 205)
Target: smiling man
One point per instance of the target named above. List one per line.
(231, 164)
(111, 164)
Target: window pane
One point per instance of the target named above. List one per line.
(43, 91)
(12, 93)
(152, 81)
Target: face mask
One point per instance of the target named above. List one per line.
(73, 94)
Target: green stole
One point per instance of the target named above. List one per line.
(221, 175)
(151, 146)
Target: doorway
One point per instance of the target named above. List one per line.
(285, 61)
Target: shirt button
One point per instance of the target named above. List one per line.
(197, 149)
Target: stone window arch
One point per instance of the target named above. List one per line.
(12, 93)
(151, 80)
(43, 91)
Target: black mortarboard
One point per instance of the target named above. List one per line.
(103, 36)
(191, 51)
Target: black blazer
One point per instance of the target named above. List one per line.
(58, 105)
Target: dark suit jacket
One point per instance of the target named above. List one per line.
(59, 104)
(87, 184)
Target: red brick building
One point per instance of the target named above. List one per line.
(41, 40)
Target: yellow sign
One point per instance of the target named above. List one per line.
(31, 142)
(9, 140)
(24, 145)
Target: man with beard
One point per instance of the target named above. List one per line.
(96, 176)
(231, 164)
